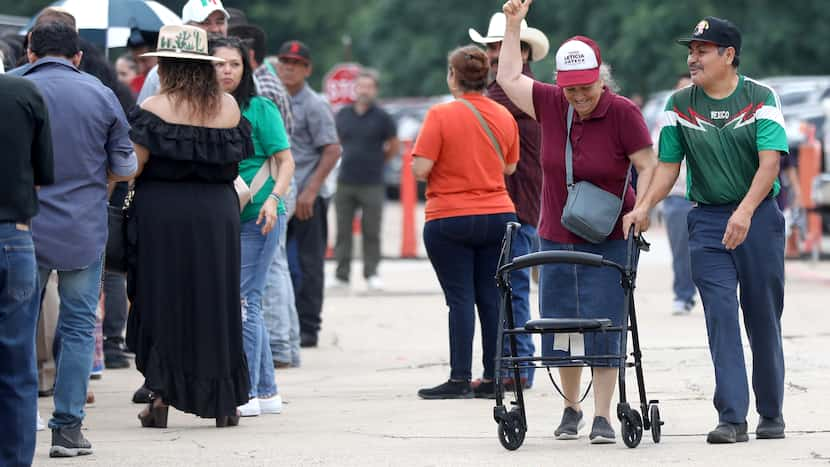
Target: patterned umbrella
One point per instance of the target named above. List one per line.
(108, 22)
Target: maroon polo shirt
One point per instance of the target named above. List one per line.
(525, 185)
(601, 146)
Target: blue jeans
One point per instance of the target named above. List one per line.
(757, 266)
(19, 300)
(74, 339)
(525, 241)
(464, 252)
(577, 291)
(675, 211)
(257, 253)
(278, 307)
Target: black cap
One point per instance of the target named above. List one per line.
(718, 31)
(296, 50)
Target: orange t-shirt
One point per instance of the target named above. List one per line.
(468, 176)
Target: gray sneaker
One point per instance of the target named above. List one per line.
(69, 442)
(571, 423)
(601, 432)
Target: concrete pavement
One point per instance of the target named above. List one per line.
(353, 402)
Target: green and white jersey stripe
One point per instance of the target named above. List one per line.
(721, 138)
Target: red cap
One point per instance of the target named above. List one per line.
(577, 62)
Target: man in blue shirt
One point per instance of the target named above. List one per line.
(91, 142)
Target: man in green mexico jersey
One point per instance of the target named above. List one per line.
(731, 131)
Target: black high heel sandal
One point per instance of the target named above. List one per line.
(227, 420)
(156, 416)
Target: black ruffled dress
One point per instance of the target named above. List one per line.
(183, 247)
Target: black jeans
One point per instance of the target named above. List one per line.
(464, 252)
(115, 304)
(309, 238)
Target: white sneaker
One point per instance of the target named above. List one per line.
(251, 409)
(271, 405)
(682, 308)
(40, 424)
(374, 283)
(337, 284)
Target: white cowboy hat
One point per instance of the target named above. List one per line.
(495, 33)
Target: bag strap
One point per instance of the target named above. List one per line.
(569, 160)
(484, 125)
(260, 178)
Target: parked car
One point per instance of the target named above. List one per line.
(801, 102)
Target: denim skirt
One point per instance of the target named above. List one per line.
(577, 291)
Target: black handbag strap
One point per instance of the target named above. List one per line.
(484, 125)
(569, 159)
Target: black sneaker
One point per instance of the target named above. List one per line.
(570, 425)
(142, 396)
(484, 390)
(770, 428)
(308, 340)
(449, 390)
(602, 432)
(114, 356)
(69, 442)
(728, 433)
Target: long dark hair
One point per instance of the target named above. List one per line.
(246, 89)
(193, 83)
(96, 64)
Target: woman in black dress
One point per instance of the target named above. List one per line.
(183, 238)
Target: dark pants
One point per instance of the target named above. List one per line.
(525, 241)
(757, 266)
(464, 252)
(115, 304)
(369, 200)
(19, 300)
(309, 238)
(675, 211)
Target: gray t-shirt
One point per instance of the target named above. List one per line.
(313, 129)
(151, 85)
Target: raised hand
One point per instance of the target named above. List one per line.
(516, 10)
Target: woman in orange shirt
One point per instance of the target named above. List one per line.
(466, 212)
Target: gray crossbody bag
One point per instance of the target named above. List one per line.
(590, 211)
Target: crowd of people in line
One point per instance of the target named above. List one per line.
(218, 157)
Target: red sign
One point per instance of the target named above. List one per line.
(338, 84)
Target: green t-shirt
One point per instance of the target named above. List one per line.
(269, 136)
(721, 138)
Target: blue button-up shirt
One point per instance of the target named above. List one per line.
(90, 136)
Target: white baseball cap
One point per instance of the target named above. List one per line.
(197, 11)
(577, 62)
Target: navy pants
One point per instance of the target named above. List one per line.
(464, 252)
(525, 241)
(757, 266)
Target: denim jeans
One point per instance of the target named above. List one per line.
(756, 267)
(19, 300)
(464, 252)
(257, 253)
(578, 291)
(675, 210)
(525, 241)
(74, 339)
(278, 308)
